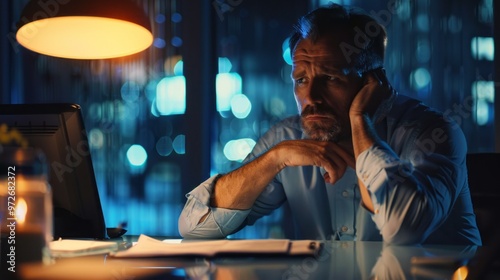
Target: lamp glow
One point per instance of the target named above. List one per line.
(21, 211)
(87, 29)
(461, 273)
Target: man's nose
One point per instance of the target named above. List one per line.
(315, 91)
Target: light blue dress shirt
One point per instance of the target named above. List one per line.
(417, 179)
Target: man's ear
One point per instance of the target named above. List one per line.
(378, 72)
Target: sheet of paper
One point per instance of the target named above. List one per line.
(150, 247)
(77, 247)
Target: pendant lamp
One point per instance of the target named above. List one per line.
(84, 29)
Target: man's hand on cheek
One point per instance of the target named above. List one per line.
(375, 98)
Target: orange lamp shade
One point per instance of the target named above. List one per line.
(84, 29)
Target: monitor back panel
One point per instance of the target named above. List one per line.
(58, 131)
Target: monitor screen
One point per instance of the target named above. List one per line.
(58, 131)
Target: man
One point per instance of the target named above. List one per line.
(360, 162)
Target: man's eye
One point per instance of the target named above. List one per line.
(331, 78)
(299, 81)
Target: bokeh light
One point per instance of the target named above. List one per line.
(171, 96)
(179, 144)
(225, 65)
(483, 48)
(226, 86)
(287, 56)
(483, 94)
(164, 146)
(420, 78)
(96, 138)
(137, 155)
(241, 106)
(130, 91)
(237, 150)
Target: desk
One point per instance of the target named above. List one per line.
(337, 260)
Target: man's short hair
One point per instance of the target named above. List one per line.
(365, 48)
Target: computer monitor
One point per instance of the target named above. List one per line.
(58, 131)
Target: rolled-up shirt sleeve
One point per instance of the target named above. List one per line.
(219, 222)
(414, 192)
(375, 167)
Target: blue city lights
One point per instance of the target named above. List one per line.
(179, 144)
(483, 94)
(225, 65)
(420, 78)
(237, 150)
(179, 68)
(287, 56)
(164, 146)
(176, 41)
(171, 96)
(137, 155)
(176, 17)
(241, 106)
(483, 48)
(159, 43)
(226, 86)
(130, 91)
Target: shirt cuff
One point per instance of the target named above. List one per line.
(220, 221)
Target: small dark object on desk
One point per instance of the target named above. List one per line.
(115, 232)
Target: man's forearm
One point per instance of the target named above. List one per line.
(240, 188)
(363, 138)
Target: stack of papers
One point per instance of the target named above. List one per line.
(150, 247)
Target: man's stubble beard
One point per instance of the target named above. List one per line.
(331, 132)
(328, 129)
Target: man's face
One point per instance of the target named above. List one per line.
(324, 87)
